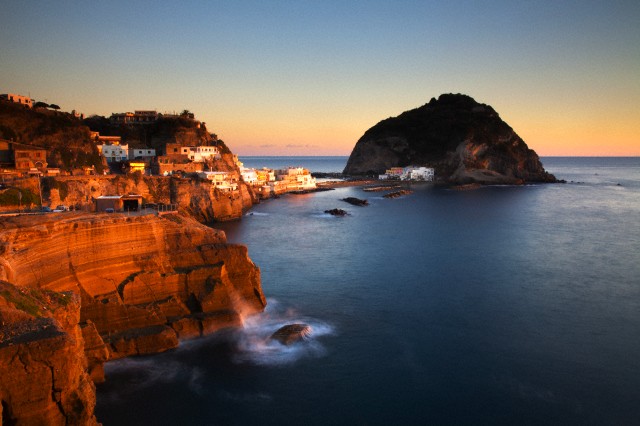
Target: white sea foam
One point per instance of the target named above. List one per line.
(255, 346)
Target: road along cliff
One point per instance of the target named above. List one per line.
(463, 140)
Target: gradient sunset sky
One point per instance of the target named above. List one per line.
(310, 77)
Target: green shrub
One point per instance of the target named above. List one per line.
(10, 197)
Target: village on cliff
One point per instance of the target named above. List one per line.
(176, 158)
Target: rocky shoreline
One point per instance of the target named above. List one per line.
(88, 288)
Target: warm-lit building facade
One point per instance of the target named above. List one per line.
(21, 157)
(18, 99)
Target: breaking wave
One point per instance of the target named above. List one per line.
(254, 346)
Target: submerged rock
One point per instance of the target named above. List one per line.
(291, 333)
(356, 201)
(336, 212)
(397, 194)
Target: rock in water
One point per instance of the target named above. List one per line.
(336, 212)
(356, 201)
(291, 333)
(464, 141)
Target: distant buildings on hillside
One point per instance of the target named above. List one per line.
(146, 116)
(18, 99)
(137, 117)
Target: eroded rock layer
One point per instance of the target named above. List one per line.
(43, 376)
(144, 281)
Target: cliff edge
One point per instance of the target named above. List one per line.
(79, 289)
(137, 276)
(43, 378)
(463, 140)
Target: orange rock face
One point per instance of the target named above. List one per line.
(131, 272)
(143, 282)
(43, 378)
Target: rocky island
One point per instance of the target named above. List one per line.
(463, 140)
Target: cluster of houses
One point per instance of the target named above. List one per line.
(146, 116)
(409, 173)
(269, 182)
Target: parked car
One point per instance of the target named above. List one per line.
(109, 210)
(46, 209)
(62, 208)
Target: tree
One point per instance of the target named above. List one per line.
(41, 105)
(54, 106)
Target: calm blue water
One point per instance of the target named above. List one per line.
(503, 305)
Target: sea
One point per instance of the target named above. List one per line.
(505, 305)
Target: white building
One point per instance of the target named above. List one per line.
(250, 176)
(220, 180)
(141, 153)
(200, 154)
(297, 178)
(418, 173)
(114, 152)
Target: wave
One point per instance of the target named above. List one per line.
(254, 345)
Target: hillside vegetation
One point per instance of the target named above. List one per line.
(66, 139)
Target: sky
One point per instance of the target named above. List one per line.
(310, 77)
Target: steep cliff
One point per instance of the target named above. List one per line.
(193, 196)
(144, 281)
(43, 378)
(463, 140)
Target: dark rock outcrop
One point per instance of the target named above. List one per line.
(398, 194)
(356, 201)
(464, 141)
(291, 333)
(336, 212)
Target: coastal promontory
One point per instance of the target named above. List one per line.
(463, 140)
(79, 289)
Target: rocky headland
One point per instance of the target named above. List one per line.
(80, 289)
(463, 140)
